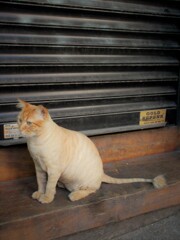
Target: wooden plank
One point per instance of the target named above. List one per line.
(116, 230)
(15, 161)
(135, 144)
(20, 216)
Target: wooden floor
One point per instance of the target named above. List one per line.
(24, 218)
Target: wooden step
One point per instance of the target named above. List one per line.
(16, 163)
(24, 218)
(138, 225)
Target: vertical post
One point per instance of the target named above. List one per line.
(178, 100)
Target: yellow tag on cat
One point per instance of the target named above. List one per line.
(152, 117)
(11, 130)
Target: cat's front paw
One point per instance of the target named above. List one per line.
(36, 195)
(46, 198)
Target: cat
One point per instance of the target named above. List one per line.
(64, 157)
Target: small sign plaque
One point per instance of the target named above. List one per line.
(152, 117)
(11, 130)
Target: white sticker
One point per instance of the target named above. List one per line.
(11, 131)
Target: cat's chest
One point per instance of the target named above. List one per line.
(41, 161)
(39, 157)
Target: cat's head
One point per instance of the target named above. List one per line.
(31, 118)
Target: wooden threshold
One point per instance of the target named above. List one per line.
(119, 230)
(24, 218)
(16, 163)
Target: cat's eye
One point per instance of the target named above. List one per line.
(29, 123)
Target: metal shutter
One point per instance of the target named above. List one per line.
(96, 65)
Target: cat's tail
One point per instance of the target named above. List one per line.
(158, 182)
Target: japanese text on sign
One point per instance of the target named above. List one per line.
(11, 131)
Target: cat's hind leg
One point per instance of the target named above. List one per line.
(79, 194)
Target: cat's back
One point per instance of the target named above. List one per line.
(80, 142)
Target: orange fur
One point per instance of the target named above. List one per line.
(66, 156)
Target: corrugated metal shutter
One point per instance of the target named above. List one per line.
(95, 64)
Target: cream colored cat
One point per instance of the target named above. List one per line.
(62, 156)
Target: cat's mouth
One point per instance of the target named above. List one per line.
(27, 135)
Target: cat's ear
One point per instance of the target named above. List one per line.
(43, 111)
(21, 104)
